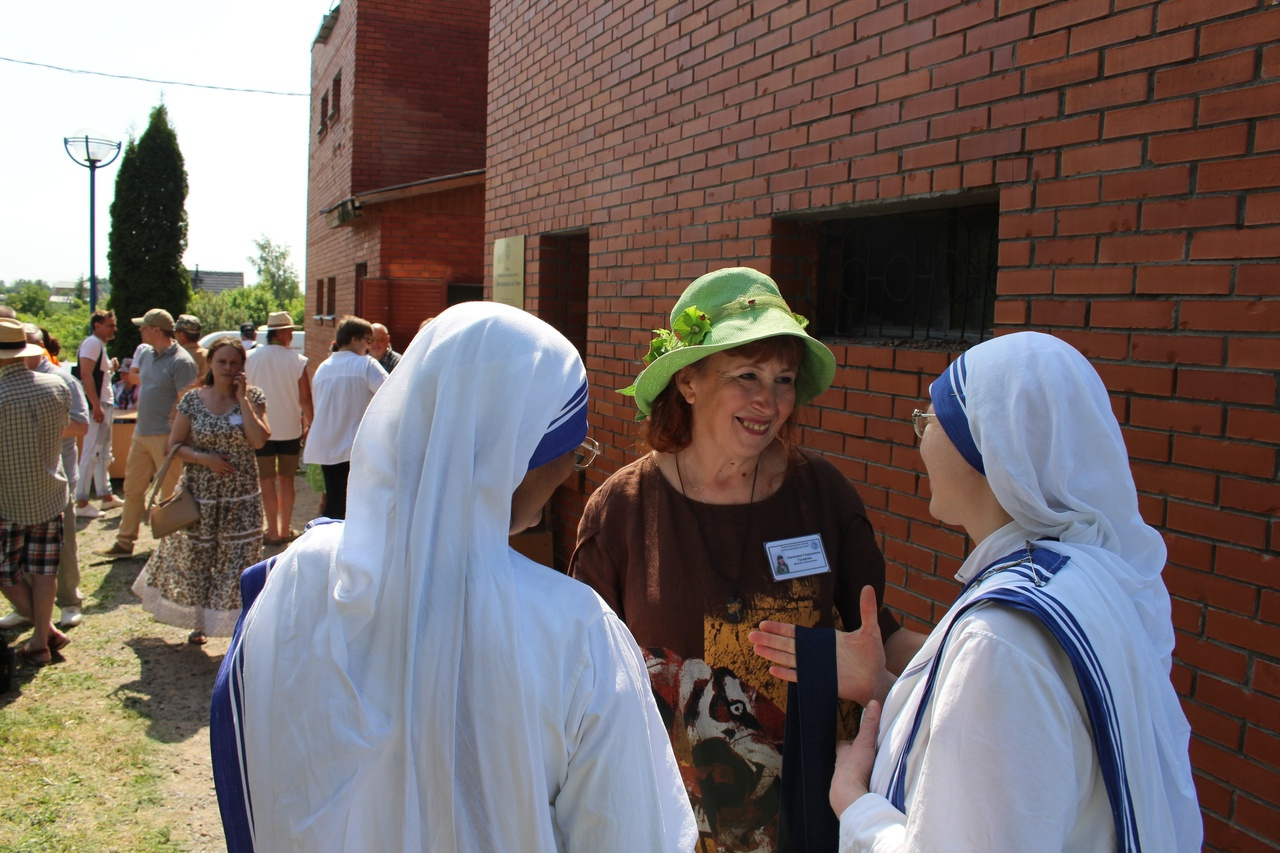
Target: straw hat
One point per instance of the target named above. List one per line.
(722, 310)
(13, 340)
(279, 320)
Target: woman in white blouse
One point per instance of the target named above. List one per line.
(342, 387)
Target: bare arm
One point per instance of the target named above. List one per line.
(254, 414)
(91, 388)
(180, 434)
(901, 648)
(75, 429)
(305, 401)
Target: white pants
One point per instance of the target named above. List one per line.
(96, 459)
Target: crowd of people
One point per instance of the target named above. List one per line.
(200, 423)
(717, 671)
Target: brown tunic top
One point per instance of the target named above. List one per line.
(673, 567)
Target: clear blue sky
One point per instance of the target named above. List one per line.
(246, 154)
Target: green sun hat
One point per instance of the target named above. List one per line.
(722, 310)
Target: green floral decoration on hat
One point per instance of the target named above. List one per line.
(689, 330)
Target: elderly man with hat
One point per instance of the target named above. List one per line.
(282, 375)
(34, 411)
(165, 370)
(186, 331)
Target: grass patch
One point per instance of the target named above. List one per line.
(87, 745)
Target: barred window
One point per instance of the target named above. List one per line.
(920, 275)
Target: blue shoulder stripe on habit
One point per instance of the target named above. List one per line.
(1033, 570)
(226, 740)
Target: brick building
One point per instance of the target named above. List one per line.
(918, 175)
(395, 208)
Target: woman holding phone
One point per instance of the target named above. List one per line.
(193, 579)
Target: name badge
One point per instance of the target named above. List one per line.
(797, 558)
(237, 419)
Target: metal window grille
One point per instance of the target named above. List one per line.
(924, 275)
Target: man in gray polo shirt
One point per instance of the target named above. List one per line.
(165, 371)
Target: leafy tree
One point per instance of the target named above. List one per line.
(148, 230)
(275, 271)
(229, 308)
(29, 297)
(81, 284)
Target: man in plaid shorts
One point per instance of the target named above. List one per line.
(34, 409)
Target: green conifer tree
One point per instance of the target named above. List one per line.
(148, 230)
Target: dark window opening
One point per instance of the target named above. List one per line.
(463, 292)
(324, 114)
(319, 298)
(335, 104)
(332, 301)
(922, 275)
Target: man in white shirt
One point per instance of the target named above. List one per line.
(95, 374)
(282, 375)
(248, 336)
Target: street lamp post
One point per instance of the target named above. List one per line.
(93, 154)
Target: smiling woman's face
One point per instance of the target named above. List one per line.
(739, 403)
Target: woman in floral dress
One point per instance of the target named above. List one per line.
(193, 578)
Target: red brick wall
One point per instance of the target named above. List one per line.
(1134, 148)
(406, 131)
(413, 93)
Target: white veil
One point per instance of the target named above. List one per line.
(1038, 408)
(1042, 422)
(390, 712)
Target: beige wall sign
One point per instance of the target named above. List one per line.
(508, 270)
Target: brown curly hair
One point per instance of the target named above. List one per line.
(668, 427)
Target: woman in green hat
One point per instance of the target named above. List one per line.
(724, 524)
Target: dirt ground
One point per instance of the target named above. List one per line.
(169, 684)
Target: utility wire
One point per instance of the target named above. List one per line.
(150, 80)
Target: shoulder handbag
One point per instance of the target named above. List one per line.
(176, 513)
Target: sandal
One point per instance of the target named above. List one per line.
(197, 638)
(283, 540)
(58, 642)
(39, 657)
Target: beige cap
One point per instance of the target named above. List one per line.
(157, 317)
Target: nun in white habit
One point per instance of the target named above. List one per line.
(1039, 714)
(405, 681)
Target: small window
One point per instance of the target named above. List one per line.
(920, 275)
(332, 302)
(319, 298)
(324, 114)
(457, 292)
(335, 104)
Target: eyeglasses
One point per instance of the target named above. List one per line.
(918, 422)
(584, 454)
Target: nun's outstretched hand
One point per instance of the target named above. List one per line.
(854, 760)
(860, 656)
